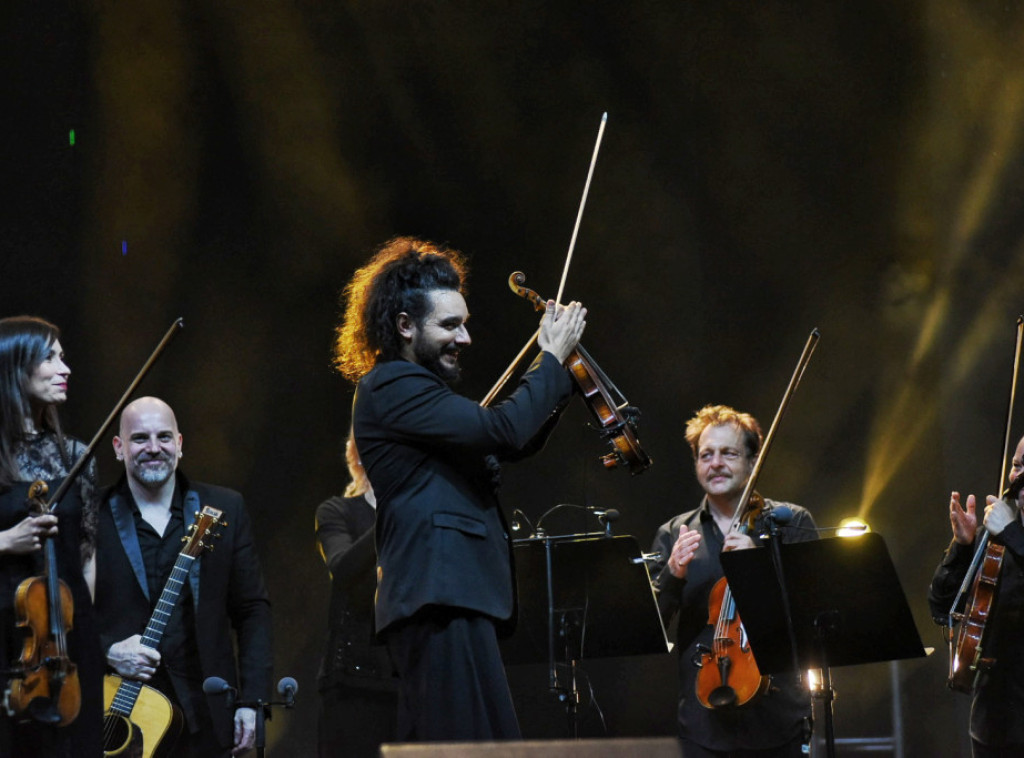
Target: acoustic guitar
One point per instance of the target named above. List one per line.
(140, 721)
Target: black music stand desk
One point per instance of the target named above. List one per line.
(845, 599)
(582, 596)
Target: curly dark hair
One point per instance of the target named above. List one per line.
(396, 280)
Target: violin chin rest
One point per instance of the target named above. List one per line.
(43, 710)
(722, 697)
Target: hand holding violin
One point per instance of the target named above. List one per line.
(27, 535)
(737, 541)
(998, 515)
(561, 329)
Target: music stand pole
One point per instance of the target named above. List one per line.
(824, 625)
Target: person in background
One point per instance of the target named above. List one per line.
(33, 383)
(358, 691)
(776, 724)
(222, 608)
(997, 730)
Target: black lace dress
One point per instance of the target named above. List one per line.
(40, 458)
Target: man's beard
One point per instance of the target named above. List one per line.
(153, 475)
(430, 359)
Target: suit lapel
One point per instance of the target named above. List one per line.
(125, 523)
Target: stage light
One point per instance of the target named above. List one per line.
(852, 527)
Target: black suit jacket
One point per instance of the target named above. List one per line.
(227, 591)
(440, 534)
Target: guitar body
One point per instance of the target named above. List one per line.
(149, 732)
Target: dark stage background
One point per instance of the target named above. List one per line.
(767, 168)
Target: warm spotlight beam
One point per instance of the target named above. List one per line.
(894, 443)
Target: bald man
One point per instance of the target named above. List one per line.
(143, 519)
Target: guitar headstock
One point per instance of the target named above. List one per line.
(201, 532)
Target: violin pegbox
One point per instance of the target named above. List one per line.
(203, 531)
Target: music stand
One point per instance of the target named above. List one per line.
(582, 596)
(846, 604)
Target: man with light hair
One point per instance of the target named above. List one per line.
(775, 724)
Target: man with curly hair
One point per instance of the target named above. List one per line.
(444, 573)
(776, 724)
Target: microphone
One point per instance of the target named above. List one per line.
(605, 516)
(287, 688)
(214, 685)
(780, 514)
(517, 525)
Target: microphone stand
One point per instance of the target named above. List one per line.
(262, 707)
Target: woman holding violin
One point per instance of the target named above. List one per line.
(33, 382)
(996, 725)
(726, 708)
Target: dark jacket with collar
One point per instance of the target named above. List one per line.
(227, 591)
(441, 537)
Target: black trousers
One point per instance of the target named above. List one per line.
(451, 681)
(354, 721)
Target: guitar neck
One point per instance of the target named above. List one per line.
(128, 692)
(165, 605)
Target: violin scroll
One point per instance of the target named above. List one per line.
(617, 422)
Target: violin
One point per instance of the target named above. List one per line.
(616, 422)
(968, 662)
(729, 661)
(47, 689)
(728, 674)
(966, 658)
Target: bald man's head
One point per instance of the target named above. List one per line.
(149, 442)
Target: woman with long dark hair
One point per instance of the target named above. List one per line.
(33, 382)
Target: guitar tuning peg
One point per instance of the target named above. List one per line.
(185, 538)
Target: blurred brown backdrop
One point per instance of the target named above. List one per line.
(767, 168)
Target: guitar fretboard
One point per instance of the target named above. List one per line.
(128, 692)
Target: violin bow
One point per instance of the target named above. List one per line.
(503, 379)
(80, 463)
(762, 455)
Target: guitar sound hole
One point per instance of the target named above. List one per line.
(117, 732)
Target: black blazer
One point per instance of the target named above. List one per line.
(227, 587)
(440, 534)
